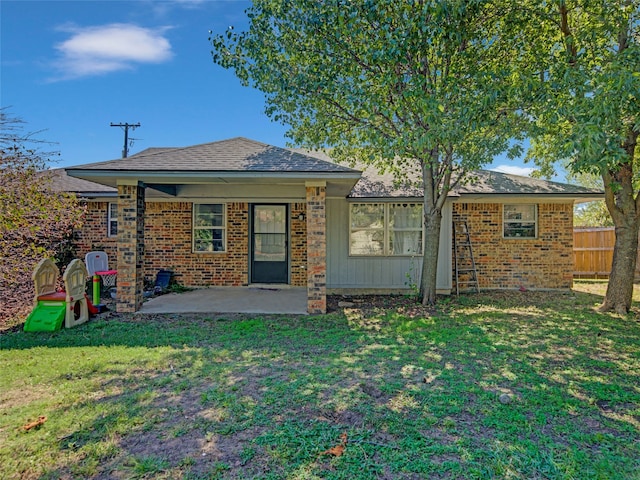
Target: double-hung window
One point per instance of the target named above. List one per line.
(520, 221)
(367, 233)
(112, 219)
(209, 227)
(385, 229)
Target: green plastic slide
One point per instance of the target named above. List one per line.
(45, 317)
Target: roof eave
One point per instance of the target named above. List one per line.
(521, 197)
(577, 197)
(111, 177)
(95, 195)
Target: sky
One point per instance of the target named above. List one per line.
(70, 68)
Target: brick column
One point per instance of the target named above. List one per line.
(130, 246)
(316, 248)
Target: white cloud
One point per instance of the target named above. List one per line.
(109, 48)
(514, 170)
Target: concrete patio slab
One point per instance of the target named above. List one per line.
(252, 299)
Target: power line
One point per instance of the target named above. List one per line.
(126, 126)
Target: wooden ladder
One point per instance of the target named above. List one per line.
(465, 265)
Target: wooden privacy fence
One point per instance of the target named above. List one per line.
(593, 252)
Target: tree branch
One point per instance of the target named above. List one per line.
(569, 39)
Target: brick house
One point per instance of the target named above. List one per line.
(239, 212)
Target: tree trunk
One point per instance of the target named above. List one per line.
(620, 288)
(435, 195)
(624, 209)
(433, 222)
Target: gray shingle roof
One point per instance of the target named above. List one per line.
(486, 181)
(481, 182)
(151, 150)
(374, 184)
(244, 155)
(61, 182)
(233, 155)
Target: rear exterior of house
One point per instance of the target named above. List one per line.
(272, 216)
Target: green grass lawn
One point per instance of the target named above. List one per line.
(503, 385)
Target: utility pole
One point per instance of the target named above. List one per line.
(126, 126)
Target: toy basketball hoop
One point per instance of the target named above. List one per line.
(108, 277)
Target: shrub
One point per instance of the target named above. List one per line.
(35, 220)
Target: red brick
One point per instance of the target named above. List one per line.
(543, 262)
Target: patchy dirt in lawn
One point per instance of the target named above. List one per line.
(202, 435)
(186, 433)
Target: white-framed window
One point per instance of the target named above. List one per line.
(209, 227)
(520, 221)
(112, 219)
(385, 229)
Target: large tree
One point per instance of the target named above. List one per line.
(401, 85)
(35, 220)
(580, 69)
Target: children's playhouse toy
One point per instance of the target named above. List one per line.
(51, 307)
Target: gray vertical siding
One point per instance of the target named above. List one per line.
(345, 272)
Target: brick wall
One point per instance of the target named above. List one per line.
(94, 235)
(298, 244)
(543, 262)
(168, 244)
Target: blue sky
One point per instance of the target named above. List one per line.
(70, 68)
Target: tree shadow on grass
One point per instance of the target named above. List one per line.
(484, 386)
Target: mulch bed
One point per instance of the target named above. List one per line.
(373, 304)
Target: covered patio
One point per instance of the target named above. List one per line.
(228, 213)
(267, 299)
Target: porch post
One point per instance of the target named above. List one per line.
(316, 248)
(130, 246)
